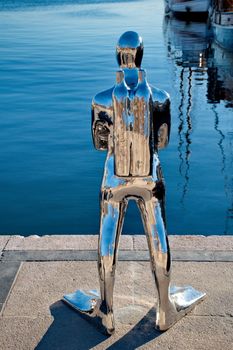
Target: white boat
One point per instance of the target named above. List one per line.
(188, 7)
(222, 20)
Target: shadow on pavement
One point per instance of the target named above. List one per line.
(143, 332)
(71, 331)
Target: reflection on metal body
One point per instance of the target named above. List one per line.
(132, 121)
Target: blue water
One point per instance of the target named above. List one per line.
(55, 55)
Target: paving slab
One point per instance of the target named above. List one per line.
(124, 255)
(34, 317)
(8, 271)
(66, 330)
(49, 255)
(190, 333)
(189, 242)
(62, 242)
(3, 242)
(23, 333)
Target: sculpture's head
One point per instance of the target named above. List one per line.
(129, 50)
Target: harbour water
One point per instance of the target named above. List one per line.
(55, 56)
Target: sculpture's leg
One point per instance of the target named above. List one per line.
(112, 216)
(172, 303)
(89, 302)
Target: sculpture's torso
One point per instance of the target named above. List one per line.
(132, 130)
(127, 113)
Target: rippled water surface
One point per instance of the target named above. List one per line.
(55, 55)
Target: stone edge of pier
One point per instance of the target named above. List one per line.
(127, 242)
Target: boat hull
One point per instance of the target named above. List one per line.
(224, 36)
(193, 6)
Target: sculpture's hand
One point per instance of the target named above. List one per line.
(161, 117)
(100, 135)
(102, 119)
(101, 128)
(163, 136)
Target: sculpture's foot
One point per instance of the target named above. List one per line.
(107, 321)
(89, 303)
(182, 301)
(83, 301)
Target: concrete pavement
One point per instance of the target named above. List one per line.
(35, 272)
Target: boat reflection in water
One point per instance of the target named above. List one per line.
(220, 75)
(220, 88)
(187, 42)
(188, 46)
(204, 73)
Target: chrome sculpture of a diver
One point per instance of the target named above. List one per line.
(132, 121)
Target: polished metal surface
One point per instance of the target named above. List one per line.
(129, 50)
(132, 121)
(132, 134)
(83, 301)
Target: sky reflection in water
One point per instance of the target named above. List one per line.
(54, 59)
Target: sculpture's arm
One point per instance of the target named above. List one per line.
(161, 117)
(102, 114)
